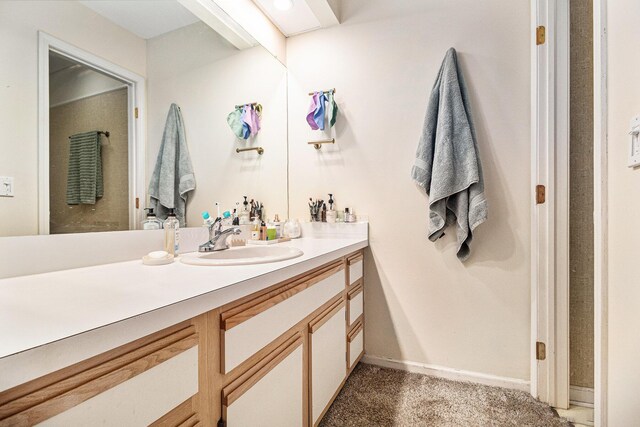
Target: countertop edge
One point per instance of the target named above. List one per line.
(102, 338)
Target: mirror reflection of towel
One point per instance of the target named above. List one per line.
(173, 176)
(84, 178)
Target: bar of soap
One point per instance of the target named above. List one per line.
(158, 254)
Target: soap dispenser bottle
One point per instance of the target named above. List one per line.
(255, 230)
(151, 222)
(171, 233)
(245, 215)
(278, 226)
(332, 215)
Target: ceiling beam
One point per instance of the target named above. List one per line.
(327, 11)
(216, 18)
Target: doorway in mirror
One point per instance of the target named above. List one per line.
(88, 149)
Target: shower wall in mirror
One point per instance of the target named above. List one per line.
(95, 182)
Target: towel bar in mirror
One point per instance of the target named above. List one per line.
(260, 150)
(318, 144)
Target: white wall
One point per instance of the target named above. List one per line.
(20, 22)
(624, 210)
(206, 76)
(422, 304)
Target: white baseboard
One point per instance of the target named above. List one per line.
(581, 396)
(449, 373)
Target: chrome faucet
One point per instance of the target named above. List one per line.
(217, 237)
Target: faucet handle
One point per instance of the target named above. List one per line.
(217, 225)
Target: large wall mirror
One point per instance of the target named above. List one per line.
(87, 89)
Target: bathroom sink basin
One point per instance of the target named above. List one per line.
(242, 256)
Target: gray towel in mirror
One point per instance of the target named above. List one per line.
(84, 176)
(173, 176)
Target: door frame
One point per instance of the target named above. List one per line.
(549, 220)
(136, 92)
(600, 208)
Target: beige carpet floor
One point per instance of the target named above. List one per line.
(374, 396)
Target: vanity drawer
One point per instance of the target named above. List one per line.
(355, 299)
(356, 266)
(355, 345)
(254, 324)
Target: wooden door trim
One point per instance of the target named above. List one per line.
(256, 304)
(244, 382)
(86, 379)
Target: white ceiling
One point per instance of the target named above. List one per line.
(144, 18)
(299, 19)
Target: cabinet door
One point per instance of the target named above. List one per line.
(328, 354)
(355, 341)
(355, 299)
(270, 393)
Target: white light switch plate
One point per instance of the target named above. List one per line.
(6, 186)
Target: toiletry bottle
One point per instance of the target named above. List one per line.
(245, 216)
(297, 230)
(332, 215)
(287, 228)
(278, 226)
(226, 219)
(208, 221)
(255, 230)
(291, 229)
(272, 233)
(151, 222)
(324, 213)
(263, 231)
(349, 216)
(171, 234)
(236, 212)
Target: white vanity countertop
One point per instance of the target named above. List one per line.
(43, 308)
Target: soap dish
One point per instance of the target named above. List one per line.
(147, 260)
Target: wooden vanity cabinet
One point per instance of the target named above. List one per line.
(160, 376)
(277, 357)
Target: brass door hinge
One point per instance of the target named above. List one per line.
(137, 202)
(541, 35)
(541, 195)
(541, 351)
(135, 112)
